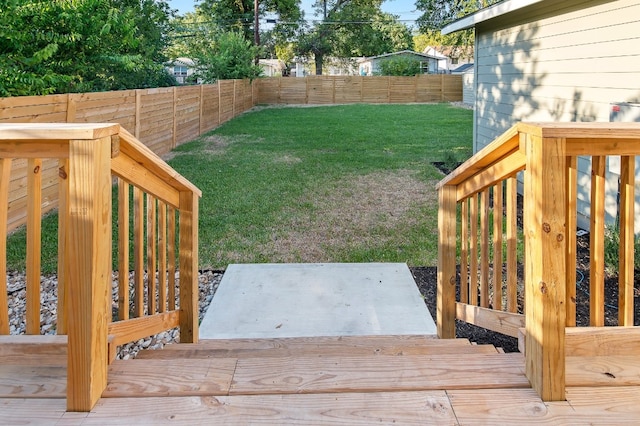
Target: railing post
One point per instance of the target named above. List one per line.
(188, 267)
(446, 300)
(88, 247)
(545, 265)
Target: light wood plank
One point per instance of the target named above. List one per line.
(138, 251)
(464, 251)
(545, 264)
(152, 228)
(34, 149)
(5, 174)
(473, 251)
(498, 213)
(484, 249)
(137, 328)
(446, 279)
(511, 407)
(609, 370)
(627, 241)
(500, 170)
(63, 264)
(171, 253)
(602, 404)
(596, 244)
(19, 411)
(512, 245)
(602, 341)
(123, 250)
(57, 131)
(162, 257)
(317, 347)
(382, 373)
(34, 244)
(89, 245)
(503, 322)
(572, 209)
(32, 381)
(188, 263)
(403, 408)
(133, 378)
(42, 350)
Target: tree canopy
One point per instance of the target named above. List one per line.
(60, 46)
(350, 28)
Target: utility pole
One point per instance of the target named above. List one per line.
(256, 30)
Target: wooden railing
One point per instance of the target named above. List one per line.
(479, 232)
(157, 226)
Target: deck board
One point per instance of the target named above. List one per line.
(178, 377)
(610, 370)
(319, 346)
(33, 381)
(403, 408)
(382, 373)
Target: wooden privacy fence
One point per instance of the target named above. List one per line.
(318, 90)
(161, 118)
(157, 229)
(479, 233)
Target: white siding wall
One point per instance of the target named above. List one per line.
(468, 88)
(558, 65)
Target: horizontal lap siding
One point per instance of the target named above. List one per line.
(564, 65)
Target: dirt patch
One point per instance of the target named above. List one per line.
(351, 212)
(288, 159)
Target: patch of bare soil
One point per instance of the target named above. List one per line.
(359, 211)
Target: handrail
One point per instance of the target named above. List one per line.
(486, 186)
(164, 209)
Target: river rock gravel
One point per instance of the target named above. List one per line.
(208, 282)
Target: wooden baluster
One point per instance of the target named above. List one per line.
(63, 263)
(151, 254)
(123, 250)
(138, 250)
(446, 298)
(473, 252)
(512, 244)
(572, 210)
(34, 231)
(162, 257)
(498, 212)
(5, 176)
(626, 256)
(596, 264)
(171, 248)
(464, 252)
(484, 249)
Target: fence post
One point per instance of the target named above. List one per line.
(175, 119)
(89, 278)
(446, 299)
(201, 109)
(188, 267)
(545, 264)
(136, 130)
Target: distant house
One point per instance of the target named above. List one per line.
(468, 82)
(272, 67)
(371, 65)
(566, 61)
(181, 68)
(331, 66)
(450, 57)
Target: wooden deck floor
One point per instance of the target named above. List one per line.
(321, 381)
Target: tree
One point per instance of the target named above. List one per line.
(228, 56)
(439, 13)
(59, 46)
(238, 15)
(400, 66)
(352, 28)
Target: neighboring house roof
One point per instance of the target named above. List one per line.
(402, 52)
(185, 62)
(488, 13)
(462, 68)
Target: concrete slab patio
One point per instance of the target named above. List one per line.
(327, 299)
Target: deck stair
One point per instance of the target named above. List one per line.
(310, 380)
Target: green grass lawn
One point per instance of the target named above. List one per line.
(349, 183)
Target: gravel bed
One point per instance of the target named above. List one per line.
(16, 292)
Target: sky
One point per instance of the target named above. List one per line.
(406, 9)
